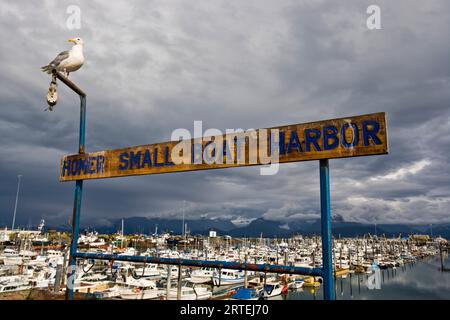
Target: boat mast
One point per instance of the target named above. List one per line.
(182, 226)
(17, 199)
(121, 241)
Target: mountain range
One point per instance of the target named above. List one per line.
(267, 228)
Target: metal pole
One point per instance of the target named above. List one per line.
(17, 199)
(169, 275)
(76, 207)
(235, 265)
(179, 283)
(245, 275)
(327, 266)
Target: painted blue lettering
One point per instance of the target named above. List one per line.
(123, 159)
(166, 158)
(355, 135)
(155, 158)
(312, 139)
(135, 160)
(66, 167)
(293, 142)
(330, 132)
(282, 142)
(147, 161)
(81, 166)
(92, 167)
(370, 133)
(100, 163)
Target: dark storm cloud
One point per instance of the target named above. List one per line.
(154, 66)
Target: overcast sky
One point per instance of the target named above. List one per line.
(154, 66)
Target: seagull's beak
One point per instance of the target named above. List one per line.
(72, 40)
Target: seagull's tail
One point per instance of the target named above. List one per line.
(48, 68)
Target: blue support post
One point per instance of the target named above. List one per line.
(82, 124)
(71, 274)
(327, 253)
(203, 263)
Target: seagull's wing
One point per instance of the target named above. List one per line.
(60, 57)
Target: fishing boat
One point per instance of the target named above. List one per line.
(13, 283)
(14, 286)
(173, 272)
(246, 294)
(190, 292)
(272, 289)
(141, 289)
(12, 260)
(140, 293)
(296, 283)
(148, 271)
(303, 262)
(227, 277)
(203, 275)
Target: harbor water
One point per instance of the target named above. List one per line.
(420, 280)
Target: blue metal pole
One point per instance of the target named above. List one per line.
(327, 253)
(82, 137)
(203, 263)
(71, 274)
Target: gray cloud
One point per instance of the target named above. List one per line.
(154, 66)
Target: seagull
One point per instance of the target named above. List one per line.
(67, 61)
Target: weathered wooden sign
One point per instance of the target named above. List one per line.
(337, 138)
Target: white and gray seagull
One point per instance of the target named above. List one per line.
(67, 61)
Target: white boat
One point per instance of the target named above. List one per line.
(14, 286)
(304, 262)
(272, 289)
(190, 292)
(13, 283)
(44, 279)
(27, 254)
(12, 260)
(202, 275)
(8, 252)
(227, 277)
(173, 272)
(149, 271)
(296, 284)
(140, 293)
(139, 289)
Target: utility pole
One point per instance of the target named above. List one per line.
(17, 199)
